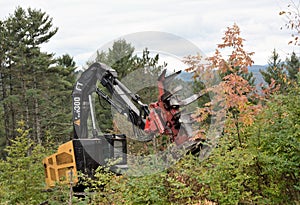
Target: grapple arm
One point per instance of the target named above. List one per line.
(161, 117)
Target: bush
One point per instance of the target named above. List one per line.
(265, 168)
(21, 173)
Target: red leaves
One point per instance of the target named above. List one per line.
(194, 62)
(238, 93)
(233, 93)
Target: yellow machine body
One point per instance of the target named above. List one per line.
(85, 156)
(61, 166)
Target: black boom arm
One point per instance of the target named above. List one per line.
(86, 85)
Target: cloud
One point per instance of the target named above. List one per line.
(85, 26)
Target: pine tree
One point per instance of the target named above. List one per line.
(35, 87)
(57, 109)
(119, 57)
(292, 66)
(275, 71)
(2, 94)
(21, 171)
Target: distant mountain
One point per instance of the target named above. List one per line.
(257, 75)
(188, 77)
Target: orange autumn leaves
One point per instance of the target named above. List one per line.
(233, 94)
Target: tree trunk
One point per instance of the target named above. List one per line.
(36, 116)
(37, 121)
(11, 106)
(5, 108)
(26, 108)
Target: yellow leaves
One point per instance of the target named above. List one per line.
(21, 123)
(208, 104)
(237, 92)
(206, 202)
(19, 130)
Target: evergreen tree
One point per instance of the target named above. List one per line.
(292, 65)
(2, 59)
(57, 113)
(35, 87)
(66, 61)
(22, 171)
(150, 70)
(119, 57)
(25, 31)
(101, 56)
(275, 71)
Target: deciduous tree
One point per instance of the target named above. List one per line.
(235, 93)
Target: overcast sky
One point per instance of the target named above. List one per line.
(86, 25)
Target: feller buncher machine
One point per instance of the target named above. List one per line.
(85, 153)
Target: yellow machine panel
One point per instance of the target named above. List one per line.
(85, 156)
(61, 166)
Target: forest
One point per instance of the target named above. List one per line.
(257, 156)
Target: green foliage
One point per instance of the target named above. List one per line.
(292, 65)
(265, 168)
(257, 164)
(280, 145)
(120, 57)
(275, 72)
(22, 174)
(22, 171)
(111, 189)
(97, 188)
(61, 194)
(2, 134)
(149, 66)
(151, 191)
(57, 113)
(34, 86)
